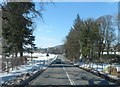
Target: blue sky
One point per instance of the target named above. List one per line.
(58, 19)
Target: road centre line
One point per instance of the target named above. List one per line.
(71, 81)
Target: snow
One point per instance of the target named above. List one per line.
(118, 68)
(113, 76)
(118, 53)
(101, 68)
(7, 77)
(95, 66)
(38, 63)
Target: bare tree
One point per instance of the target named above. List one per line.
(107, 32)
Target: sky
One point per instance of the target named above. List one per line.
(59, 17)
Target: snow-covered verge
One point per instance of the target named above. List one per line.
(39, 62)
(101, 68)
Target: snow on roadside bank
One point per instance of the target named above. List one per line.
(101, 68)
(41, 61)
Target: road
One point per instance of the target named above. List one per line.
(61, 72)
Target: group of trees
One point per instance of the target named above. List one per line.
(89, 38)
(17, 29)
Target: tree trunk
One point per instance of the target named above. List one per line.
(7, 65)
(12, 64)
(16, 54)
(108, 47)
(99, 54)
(21, 50)
(21, 54)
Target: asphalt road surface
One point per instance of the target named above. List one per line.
(61, 72)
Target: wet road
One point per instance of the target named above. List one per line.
(61, 72)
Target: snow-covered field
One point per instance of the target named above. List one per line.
(39, 62)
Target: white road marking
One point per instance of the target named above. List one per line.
(71, 81)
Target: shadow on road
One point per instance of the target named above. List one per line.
(58, 63)
(60, 66)
(101, 82)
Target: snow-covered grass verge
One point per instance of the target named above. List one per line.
(101, 68)
(39, 62)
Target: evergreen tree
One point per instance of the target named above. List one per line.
(17, 27)
(82, 39)
(72, 44)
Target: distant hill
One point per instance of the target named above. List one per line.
(59, 49)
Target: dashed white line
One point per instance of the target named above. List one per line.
(71, 81)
